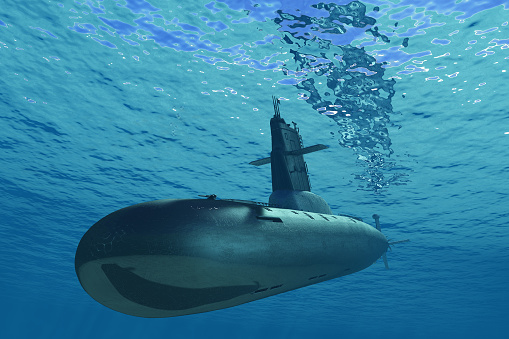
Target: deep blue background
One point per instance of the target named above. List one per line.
(105, 104)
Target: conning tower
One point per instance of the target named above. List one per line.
(290, 180)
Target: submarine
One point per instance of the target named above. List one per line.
(176, 257)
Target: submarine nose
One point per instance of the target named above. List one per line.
(126, 232)
(103, 240)
(116, 247)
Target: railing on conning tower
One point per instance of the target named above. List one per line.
(300, 137)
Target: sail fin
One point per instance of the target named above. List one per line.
(309, 149)
(260, 162)
(301, 151)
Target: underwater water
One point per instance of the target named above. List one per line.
(105, 104)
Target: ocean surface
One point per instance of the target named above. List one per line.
(109, 103)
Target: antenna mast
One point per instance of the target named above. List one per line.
(275, 102)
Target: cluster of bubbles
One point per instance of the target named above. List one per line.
(345, 83)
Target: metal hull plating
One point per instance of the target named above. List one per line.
(169, 258)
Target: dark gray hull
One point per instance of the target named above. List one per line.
(175, 257)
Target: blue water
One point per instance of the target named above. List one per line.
(104, 104)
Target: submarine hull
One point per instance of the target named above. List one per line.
(170, 258)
